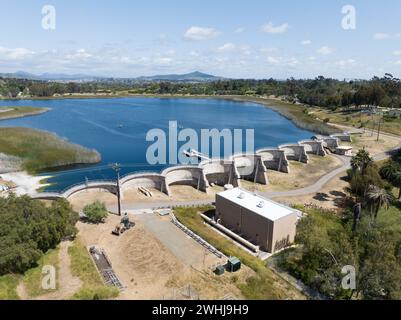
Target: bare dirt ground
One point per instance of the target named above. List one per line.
(369, 142)
(133, 195)
(301, 175)
(148, 267)
(332, 196)
(83, 198)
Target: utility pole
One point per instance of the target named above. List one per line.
(379, 128)
(116, 167)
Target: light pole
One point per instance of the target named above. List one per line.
(379, 128)
(116, 167)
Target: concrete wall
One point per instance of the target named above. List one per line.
(185, 175)
(274, 159)
(342, 137)
(251, 167)
(313, 147)
(284, 231)
(107, 186)
(295, 152)
(220, 172)
(147, 180)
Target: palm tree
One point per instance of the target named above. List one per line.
(361, 161)
(391, 172)
(377, 198)
(388, 170)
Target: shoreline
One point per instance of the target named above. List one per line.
(292, 112)
(26, 184)
(29, 114)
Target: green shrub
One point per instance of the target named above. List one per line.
(96, 212)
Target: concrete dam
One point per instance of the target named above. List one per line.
(250, 167)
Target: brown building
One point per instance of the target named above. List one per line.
(261, 221)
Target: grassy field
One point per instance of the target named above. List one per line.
(83, 267)
(42, 150)
(17, 112)
(265, 285)
(32, 279)
(8, 287)
(391, 218)
(359, 120)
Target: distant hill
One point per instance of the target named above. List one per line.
(48, 76)
(188, 77)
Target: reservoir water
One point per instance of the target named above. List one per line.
(117, 128)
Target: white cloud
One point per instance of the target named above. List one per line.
(228, 47)
(246, 50)
(198, 33)
(397, 52)
(79, 54)
(345, 62)
(273, 60)
(270, 28)
(268, 50)
(383, 36)
(163, 60)
(325, 50)
(306, 42)
(398, 62)
(239, 30)
(15, 53)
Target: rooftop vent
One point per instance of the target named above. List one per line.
(261, 204)
(241, 195)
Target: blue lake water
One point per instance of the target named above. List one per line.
(117, 128)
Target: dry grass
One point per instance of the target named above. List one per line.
(301, 175)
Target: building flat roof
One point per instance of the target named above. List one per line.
(269, 209)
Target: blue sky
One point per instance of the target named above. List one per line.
(231, 38)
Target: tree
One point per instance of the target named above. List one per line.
(96, 212)
(28, 228)
(361, 161)
(377, 198)
(391, 171)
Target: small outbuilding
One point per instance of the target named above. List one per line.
(344, 151)
(261, 221)
(233, 264)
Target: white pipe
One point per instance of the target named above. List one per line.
(231, 234)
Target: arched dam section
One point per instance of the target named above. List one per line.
(251, 167)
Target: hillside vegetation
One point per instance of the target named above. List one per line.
(42, 150)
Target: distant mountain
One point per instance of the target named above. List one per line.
(48, 76)
(188, 77)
